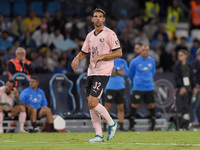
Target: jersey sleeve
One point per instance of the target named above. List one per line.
(113, 41)
(86, 45)
(44, 100)
(23, 97)
(131, 70)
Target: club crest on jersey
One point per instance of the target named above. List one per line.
(117, 42)
(149, 65)
(101, 40)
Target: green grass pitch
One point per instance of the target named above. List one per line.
(173, 140)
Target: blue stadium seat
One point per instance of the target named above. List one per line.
(5, 8)
(83, 103)
(19, 8)
(21, 81)
(52, 7)
(37, 7)
(62, 98)
(2, 83)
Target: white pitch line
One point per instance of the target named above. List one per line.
(153, 144)
(8, 141)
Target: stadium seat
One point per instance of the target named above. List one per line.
(181, 33)
(21, 81)
(2, 83)
(52, 7)
(37, 7)
(19, 8)
(182, 26)
(5, 8)
(62, 98)
(195, 33)
(83, 103)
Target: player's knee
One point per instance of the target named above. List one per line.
(135, 105)
(22, 108)
(1, 108)
(151, 105)
(92, 104)
(121, 109)
(48, 110)
(33, 110)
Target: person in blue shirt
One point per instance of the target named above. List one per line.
(141, 72)
(115, 90)
(35, 101)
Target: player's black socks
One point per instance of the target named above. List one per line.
(132, 118)
(52, 128)
(34, 125)
(153, 118)
(133, 112)
(104, 127)
(121, 126)
(152, 112)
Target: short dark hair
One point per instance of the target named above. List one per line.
(12, 81)
(98, 10)
(184, 51)
(35, 78)
(138, 44)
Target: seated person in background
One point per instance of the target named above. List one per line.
(19, 64)
(35, 101)
(9, 95)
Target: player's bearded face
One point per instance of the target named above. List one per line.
(98, 19)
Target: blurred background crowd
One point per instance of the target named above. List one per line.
(52, 31)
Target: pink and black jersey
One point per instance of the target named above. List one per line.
(4, 98)
(104, 42)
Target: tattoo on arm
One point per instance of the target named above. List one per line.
(17, 100)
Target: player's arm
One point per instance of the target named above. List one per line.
(105, 57)
(120, 72)
(81, 55)
(131, 71)
(16, 96)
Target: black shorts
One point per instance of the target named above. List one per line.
(139, 96)
(116, 96)
(28, 117)
(95, 85)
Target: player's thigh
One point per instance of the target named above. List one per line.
(31, 111)
(110, 96)
(43, 112)
(1, 108)
(120, 98)
(149, 97)
(137, 97)
(98, 85)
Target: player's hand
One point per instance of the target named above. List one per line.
(97, 58)
(182, 91)
(75, 63)
(15, 92)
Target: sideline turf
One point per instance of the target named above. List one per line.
(122, 141)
